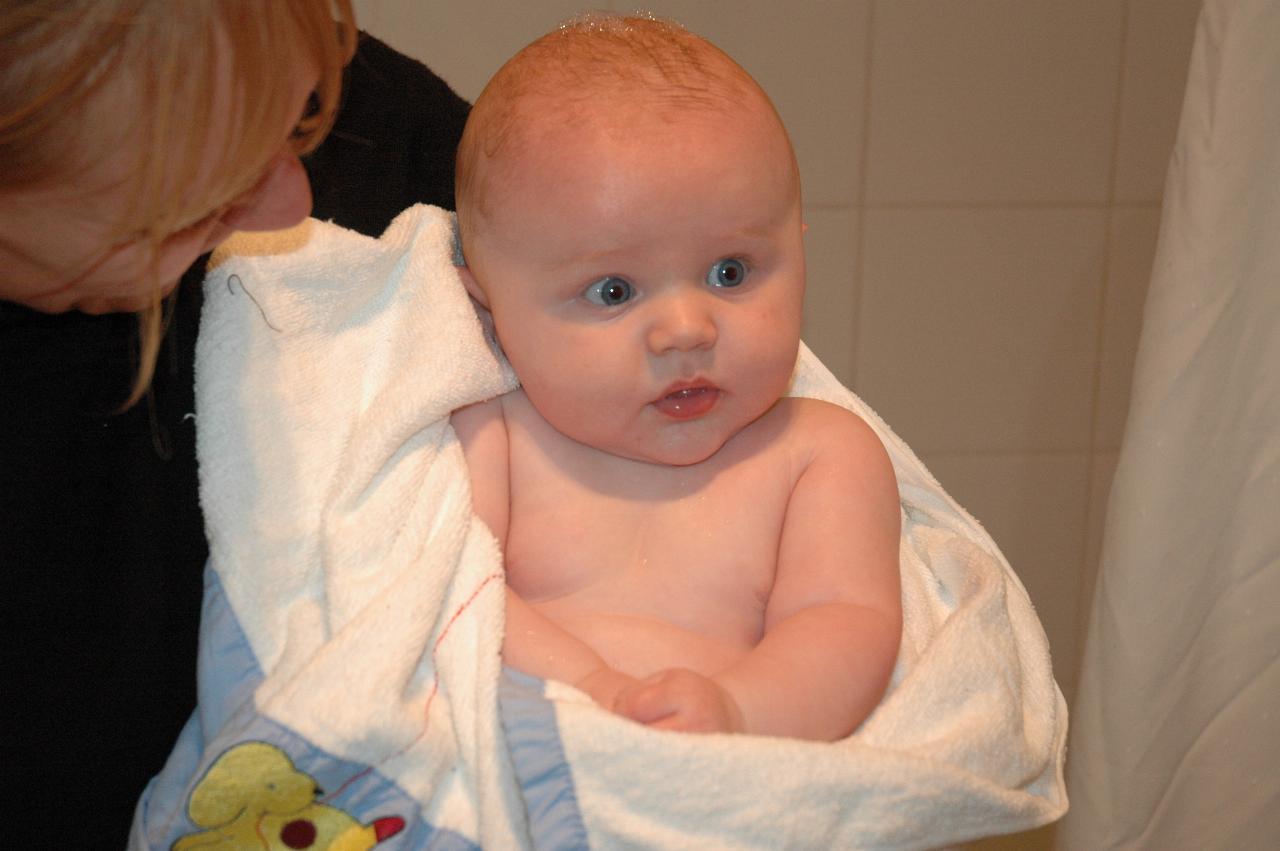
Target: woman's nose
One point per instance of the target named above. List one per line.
(280, 199)
(682, 322)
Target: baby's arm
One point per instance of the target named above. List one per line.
(482, 431)
(834, 617)
(533, 643)
(538, 646)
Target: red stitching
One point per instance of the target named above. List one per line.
(435, 685)
(435, 669)
(355, 777)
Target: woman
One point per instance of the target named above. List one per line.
(134, 135)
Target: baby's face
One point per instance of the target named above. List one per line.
(646, 278)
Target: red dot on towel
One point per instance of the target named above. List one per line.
(298, 834)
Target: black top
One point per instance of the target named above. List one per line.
(102, 545)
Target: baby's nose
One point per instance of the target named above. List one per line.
(682, 322)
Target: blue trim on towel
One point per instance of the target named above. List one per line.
(227, 672)
(360, 793)
(227, 718)
(459, 259)
(546, 780)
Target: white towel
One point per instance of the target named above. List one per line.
(338, 508)
(370, 599)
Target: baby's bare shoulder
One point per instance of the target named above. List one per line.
(832, 444)
(819, 424)
(479, 418)
(482, 431)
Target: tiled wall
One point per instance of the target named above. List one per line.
(982, 185)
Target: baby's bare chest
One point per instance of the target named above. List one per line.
(687, 547)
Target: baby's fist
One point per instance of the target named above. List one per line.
(680, 699)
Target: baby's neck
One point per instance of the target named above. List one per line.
(620, 476)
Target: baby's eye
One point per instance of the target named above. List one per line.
(609, 292)
(728, 272)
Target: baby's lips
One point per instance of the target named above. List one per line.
(688, 401)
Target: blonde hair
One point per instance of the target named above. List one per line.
(161, 63)
(562, 77)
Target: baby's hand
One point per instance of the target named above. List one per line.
(680, 699)
(604, 685)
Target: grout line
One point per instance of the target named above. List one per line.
(993, 205)
(1088, 571)
(1004, 453)
(860, 228)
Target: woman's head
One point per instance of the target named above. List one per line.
(135, 134)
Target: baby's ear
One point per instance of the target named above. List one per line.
(473, 288)
(460, 263)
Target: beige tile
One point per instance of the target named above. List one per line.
(1157, 52)
(993, 100)
(831, 297)
(811, 59)
(1133, 245)
(1035, 507)
(462, 42)
(1103, 471)
(978, 328)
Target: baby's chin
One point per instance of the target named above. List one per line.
(687, 452)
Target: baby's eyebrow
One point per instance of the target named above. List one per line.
(759, 230)
(602, 257)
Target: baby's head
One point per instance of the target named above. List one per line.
(600, 72)
(629, 208)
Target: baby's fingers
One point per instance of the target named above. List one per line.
(678, 699)
(647, 701)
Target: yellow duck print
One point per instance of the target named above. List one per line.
(253, 799)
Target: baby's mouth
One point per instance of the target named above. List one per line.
(687, 401)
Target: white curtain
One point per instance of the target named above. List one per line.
(1176, 740)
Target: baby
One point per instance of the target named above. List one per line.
(685, 544)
